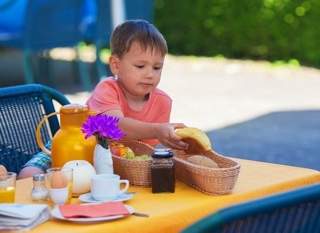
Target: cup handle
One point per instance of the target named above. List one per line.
(125, 189)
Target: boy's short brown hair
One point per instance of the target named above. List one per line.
(141, 31)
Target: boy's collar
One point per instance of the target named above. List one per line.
(147, 96)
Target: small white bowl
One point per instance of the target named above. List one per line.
(59, 196)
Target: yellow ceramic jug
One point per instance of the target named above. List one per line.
(69, 142)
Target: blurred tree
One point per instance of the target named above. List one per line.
(265, 29)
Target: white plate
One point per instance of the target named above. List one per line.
(87, 197)
(55, 212)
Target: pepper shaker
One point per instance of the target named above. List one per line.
(39, 191)
(162, 171)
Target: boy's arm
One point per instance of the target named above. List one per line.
(164, 132)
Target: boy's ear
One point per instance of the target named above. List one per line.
(114, 64)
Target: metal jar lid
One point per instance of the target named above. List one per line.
(162, 153)
(38, 177)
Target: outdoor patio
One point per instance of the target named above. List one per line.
(243, 75)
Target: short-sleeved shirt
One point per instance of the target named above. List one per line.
(108, 95)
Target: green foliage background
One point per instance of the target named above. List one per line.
(255, 29)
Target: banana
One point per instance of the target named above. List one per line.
(196, 134)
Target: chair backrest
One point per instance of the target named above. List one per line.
(21, 109)
(289, 212)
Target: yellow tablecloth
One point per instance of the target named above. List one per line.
(171, 212)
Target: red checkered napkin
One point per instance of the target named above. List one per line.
(93, 210)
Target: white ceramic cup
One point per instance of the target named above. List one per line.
(107, 186)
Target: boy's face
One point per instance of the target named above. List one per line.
(138, 70)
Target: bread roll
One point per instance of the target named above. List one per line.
(202, 161)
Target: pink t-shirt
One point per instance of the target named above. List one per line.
(108, 96)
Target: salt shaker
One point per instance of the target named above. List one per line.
(39, 191)
(162, 171)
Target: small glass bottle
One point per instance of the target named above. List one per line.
(39, 191)
(162, 171)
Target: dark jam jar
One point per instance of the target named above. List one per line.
(162, 171)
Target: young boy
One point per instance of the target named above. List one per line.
(138, 50)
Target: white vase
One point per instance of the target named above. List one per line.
(102, 160)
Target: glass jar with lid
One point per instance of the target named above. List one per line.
(162, 171)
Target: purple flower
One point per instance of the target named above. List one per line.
(103, 126)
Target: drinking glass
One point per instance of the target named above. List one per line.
(8, 187)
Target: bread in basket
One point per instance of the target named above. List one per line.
(218, 179)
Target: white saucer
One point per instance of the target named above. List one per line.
(55, 212)
(87, 197)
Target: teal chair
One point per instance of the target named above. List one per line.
(21, 109)
(295, 211)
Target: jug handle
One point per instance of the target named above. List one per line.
(38, 133)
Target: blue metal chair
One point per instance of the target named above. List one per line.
(295, 211)
(21, 109)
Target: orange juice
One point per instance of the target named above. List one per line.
(7, 194)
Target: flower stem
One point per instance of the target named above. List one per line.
(102, 141)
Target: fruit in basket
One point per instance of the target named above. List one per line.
(116, 148)
(142, 157)
(198, 142)
(202, 161)
(121, 150)
(129, 154)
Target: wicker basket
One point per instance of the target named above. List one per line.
(137, 172)
(208, 180)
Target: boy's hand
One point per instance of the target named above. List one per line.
(166, 135)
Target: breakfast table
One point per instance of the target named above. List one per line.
(171, 212)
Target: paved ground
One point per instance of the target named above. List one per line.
(249, 109)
